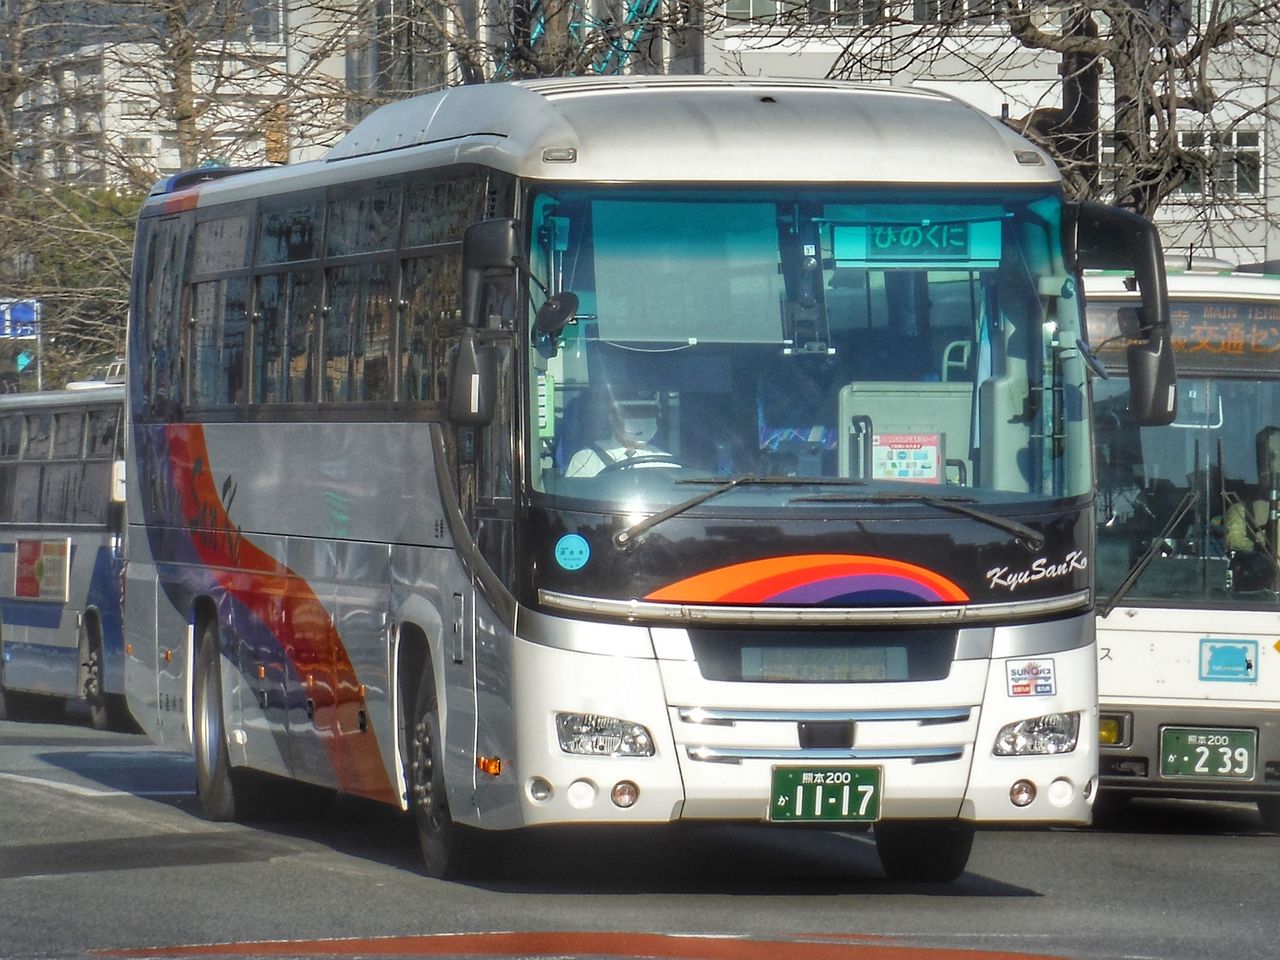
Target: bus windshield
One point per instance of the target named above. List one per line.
(1200, 493)
(901, 342)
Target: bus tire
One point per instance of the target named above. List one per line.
(225, 792)
(102, 713)
(924, 851)
(450, 851)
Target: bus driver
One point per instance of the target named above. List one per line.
(622, 435)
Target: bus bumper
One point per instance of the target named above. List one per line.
(1134, 767)
(715, 745)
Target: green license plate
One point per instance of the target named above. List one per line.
(1211, 752)
(825, 794)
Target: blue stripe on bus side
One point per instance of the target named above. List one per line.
(8, 547)
(31, 613)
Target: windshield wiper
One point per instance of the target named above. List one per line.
(627, 538)
(1188, 501)
(1029, 537)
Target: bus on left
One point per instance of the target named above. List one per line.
(61, 517)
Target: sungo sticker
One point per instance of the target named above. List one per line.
(1031, 678)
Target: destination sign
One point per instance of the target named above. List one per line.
(908, 244)
(1207, 334)
(926, 242)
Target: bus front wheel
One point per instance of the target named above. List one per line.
(924, 851)
(225, 793)
(450, 851)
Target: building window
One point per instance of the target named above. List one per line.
(1234, 163)
(843, 13)
(957, 11)
(138, 146)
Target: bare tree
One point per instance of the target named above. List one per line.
(98, 100)
(414, 46)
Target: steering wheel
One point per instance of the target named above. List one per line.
(640, 460)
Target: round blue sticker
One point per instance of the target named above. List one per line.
(572, 552)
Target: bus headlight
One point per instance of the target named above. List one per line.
(590, 733)
(1052, 733)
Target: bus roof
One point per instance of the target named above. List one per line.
(1189, 284)
(673, 129)
(82, 396)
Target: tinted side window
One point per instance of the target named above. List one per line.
(68, 435)
(10, 437)
(440, 212)
(161, 314)
(289, 234)
(367, 223)
(357, 340)
(100, 434)
(268, 339)
(221, 317)
(221, 245)
(431, 291)
(39, 436)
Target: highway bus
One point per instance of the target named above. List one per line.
(630, 451)
(1189, 666)
(61, 519)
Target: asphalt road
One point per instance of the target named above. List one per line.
(103, 853)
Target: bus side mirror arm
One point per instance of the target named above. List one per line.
(473, 381)
(1102, 237)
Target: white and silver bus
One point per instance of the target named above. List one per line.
(61, 514)
(1189, 667)
(630, 451)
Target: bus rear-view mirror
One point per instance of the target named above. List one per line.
(473, 380)
(487, 245)
(1103, 237)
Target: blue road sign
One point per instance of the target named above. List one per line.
(19, 319)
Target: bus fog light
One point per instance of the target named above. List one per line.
(1052, 733)
(540, 789)
(1060, 792)
(1110, 730)
(581, 794)
(624, 794)
(1022, 793)
(594, 735)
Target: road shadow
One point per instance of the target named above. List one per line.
(1176, 817)
(116, 762)
(693, 858)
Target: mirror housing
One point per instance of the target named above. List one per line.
(1153, 382)
(487, 245)
(1102, 237)
(556, 312)
(473, 381)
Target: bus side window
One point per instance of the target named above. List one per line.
(268, 334)
(357, 336)
(300, 335)
(218, 341)
(10, 447)
(431, 302)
